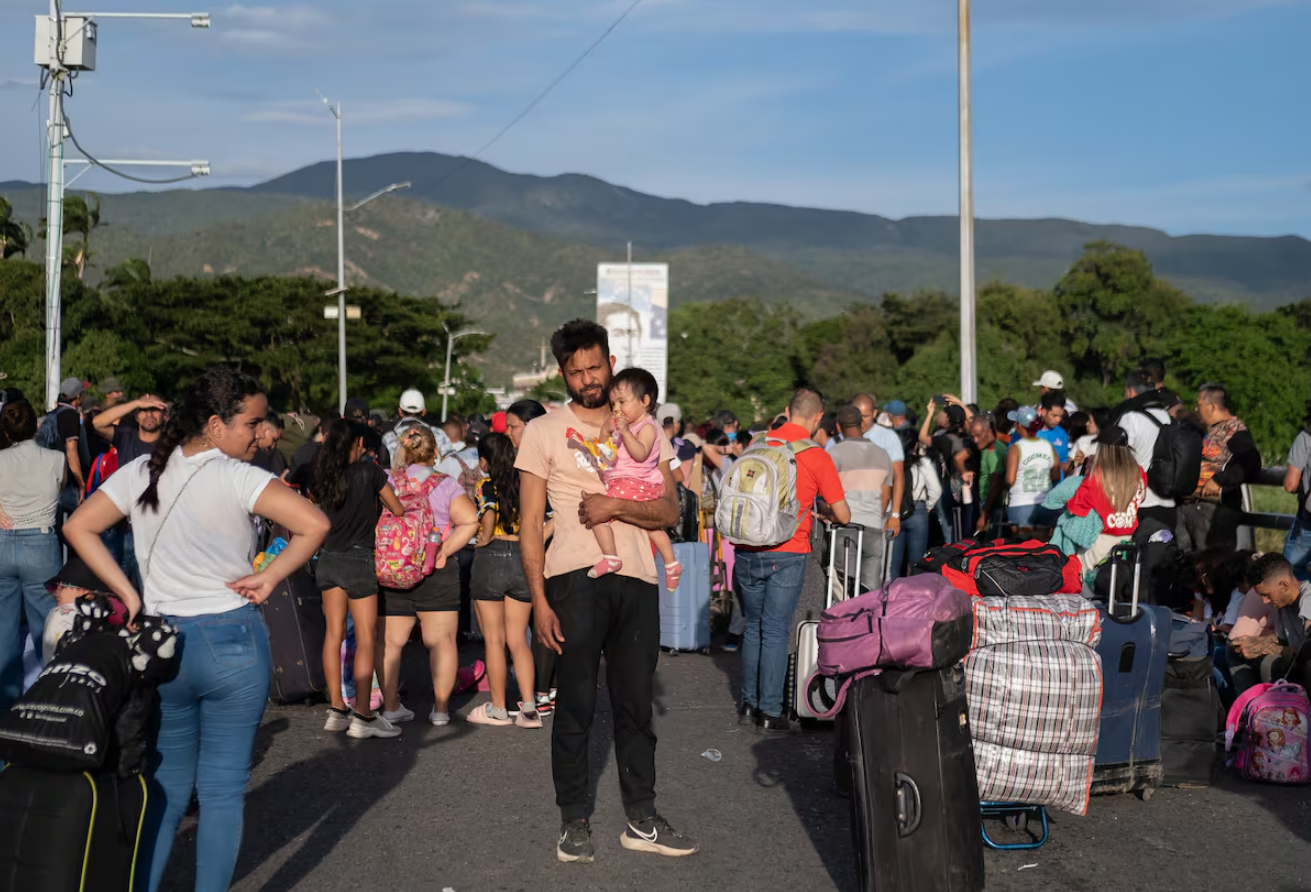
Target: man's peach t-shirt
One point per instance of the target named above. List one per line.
(569, 466)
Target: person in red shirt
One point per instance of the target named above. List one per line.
(768, 580)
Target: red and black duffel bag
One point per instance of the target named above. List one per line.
(1004, 568)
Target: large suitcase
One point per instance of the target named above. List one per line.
(685, 612)
(915, 797)
(294, 616)
(1134, 649)
(70, 832)
(1190, 720)
(837, 587)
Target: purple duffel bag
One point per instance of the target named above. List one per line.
(919, 622)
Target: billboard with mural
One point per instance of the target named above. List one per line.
(632, 302)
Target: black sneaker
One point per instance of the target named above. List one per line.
(746, 712)
(575, 845)
(655, 835)
(775, 723)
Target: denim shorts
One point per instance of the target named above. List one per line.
(350, 570)
(498, 573)
(439, 591)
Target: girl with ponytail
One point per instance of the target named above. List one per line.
(190, 503)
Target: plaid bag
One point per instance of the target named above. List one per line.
(1035, 618)
(1057, 780)
(1038, 696)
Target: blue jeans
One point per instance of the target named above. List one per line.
(769, 584)
(944, 512)
(1297, 549)
(208, 718)
(912, 543)
(28, 558)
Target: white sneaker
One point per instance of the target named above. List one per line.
(439, 718)
(398, 715)
(337, 720)
(375, 727)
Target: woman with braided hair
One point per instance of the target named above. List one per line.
(190, 502)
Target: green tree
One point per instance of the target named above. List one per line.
(1116, 312)
(741, 355)
(851, 354)
(81, 217)
(15, 237)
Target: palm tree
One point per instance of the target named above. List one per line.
(80, 218)
(133, 271)
(15, 237)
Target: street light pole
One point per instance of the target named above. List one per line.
(341, 275)
(969, 377)
(52, 59)
(451, 338)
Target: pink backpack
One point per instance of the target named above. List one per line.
(401, 542)
(1270, 723)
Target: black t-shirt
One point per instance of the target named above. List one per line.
(270, 460)
(303, 458)
(353, 522)
(127, 440)
(68, 426)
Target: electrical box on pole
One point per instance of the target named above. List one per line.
(78, 52)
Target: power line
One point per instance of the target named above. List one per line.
(542, 95)
(68, 125)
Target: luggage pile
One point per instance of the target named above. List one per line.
(72, 798)
(1034, 685)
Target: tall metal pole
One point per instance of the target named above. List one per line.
(629, 327)
(54, 220)
(446, 382)
(341, 277)
(969, 378)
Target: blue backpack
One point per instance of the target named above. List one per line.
(47, 432)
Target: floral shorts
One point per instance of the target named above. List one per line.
(634, 490)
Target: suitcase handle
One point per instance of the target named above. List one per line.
(909, 811)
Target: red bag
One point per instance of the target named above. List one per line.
(1002, 568)
(104, 465)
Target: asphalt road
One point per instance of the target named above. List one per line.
(469, 808)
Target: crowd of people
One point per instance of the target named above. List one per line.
(541, 529)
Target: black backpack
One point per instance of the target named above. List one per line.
(1176, 458)
(688, 527)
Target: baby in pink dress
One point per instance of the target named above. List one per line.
(635, 472)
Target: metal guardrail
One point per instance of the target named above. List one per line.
(1265, 520)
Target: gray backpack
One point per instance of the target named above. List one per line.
(757, 504)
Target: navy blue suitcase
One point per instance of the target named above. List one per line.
(1134, 650)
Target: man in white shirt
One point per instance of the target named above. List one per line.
(1141, 416)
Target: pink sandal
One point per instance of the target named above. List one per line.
(608, 564)
(673, 573)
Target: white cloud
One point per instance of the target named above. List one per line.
(15, 83)
(365, 113)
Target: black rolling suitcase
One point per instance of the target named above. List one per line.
(294, 616)
(71, 832)
(915, 803)
(1190, 720)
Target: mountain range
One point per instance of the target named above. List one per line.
(519, 250)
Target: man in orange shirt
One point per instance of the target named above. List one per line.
(768, 580)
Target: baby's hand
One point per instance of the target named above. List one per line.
(621, 423)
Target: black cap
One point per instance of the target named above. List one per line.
(77, 574)
(955, 415)
(357, 410)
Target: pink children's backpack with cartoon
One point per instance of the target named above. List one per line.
(401, 542)
(1269, 723)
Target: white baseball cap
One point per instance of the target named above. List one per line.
(1051, 380)
(669, 410)
(412, 401)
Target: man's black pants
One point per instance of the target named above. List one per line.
(619, 617)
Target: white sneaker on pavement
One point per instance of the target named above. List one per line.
(398, 715)
(338, 720)
(377, 726)
(439, 718)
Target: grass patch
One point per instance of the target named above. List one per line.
(1272, 500)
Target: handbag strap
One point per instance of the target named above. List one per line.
(150, 557)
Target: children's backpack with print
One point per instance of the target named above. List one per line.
(757, 504)
(401, 542)
(105, 464)
(1269, 723)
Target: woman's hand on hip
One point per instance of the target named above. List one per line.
(255, 588)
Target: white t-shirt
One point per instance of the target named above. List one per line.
(1142, 436)
(208, 540)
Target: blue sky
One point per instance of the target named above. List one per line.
(1189, 115)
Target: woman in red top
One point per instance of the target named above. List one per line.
(1114, 487)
